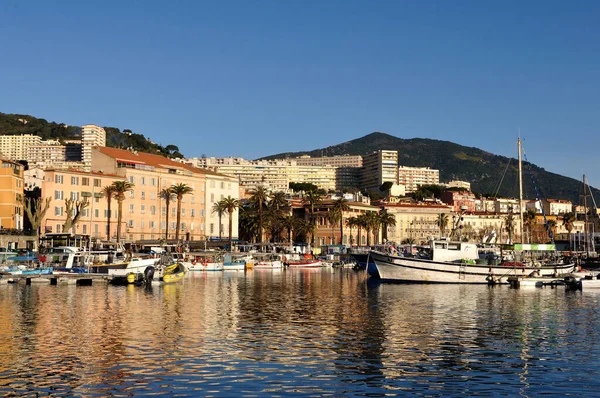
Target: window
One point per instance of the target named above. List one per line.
(142, 194)
(193, 212)
(212, 228)
(75, 195)
(84, 229)
(173, 225)
(163, 211)
(58, 179)
(74, 180)
(153, 181)
(58, 211)
(58, 195)
(142, 180)
(173, 211)
(222, 185)
(142, 224)
(193, 200)
(153, 210)
(182, 212)
(153, 195)
(201, 212)
(212, 198)
(85, 181)
(131, 207)
(212, 184)
(130, 223)
(132, 179)
(131, 194)
(143, 209)
(96, 213)
(152, 224)
(97, 182)
(85, 213)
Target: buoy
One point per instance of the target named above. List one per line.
(130, 277)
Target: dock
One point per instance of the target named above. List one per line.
(534, 281)
(57, 279)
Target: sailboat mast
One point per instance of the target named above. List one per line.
(520, 190)
(585, 226)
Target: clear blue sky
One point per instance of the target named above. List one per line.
(255, 78)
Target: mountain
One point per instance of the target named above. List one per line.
(12, 124)
(487, 173)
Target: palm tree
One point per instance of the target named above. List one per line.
(333, 216)
(386, 220)
(289, 222)
(120, 187)
(167, 195)
(372, 225)
(108, 192)
(362, 223)
(259, 197)
(528, 218)
(230, 205)
(552, 226)
(248, 224)
(220, 209)
(510, 226)
(442, 223)
(179, 190)
(352, 222)
(313, 198)
(568, 221)
(340, 206)
(278, 200)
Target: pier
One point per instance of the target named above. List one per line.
(57, 279)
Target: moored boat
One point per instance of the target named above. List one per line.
(459, 262)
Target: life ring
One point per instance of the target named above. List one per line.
(193, 262)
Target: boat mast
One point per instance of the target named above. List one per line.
(520, 189)
(585, 226)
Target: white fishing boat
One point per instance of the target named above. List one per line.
(268, 261)
(444, 261)
(459, 262)
(205, 262)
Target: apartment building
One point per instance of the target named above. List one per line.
(76, 184)
(91, 136)
(11, 193)
(416, 221)
(218, 187)
(379, 167)
(276, 175)
(14, 147)
(335, 161)
(145, 209)
(413, 177)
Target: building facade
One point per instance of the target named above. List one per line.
(11, 194)
(413, 177)
(91, 136)
(15, 147)
(379, 167)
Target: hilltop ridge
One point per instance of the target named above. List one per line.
(484, 170)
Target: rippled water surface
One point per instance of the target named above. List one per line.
(297, 332)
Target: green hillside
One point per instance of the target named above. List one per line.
(12, 124)
(482, 169)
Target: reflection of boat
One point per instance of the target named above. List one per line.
(456, 262)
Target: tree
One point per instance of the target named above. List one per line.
(333, 216)
(289, 222)
(179, 190)
(36, 209)
(352, 222)
(372, 224)
(248, 224)
(313, 198)
(167, 195)
(278, 200)
(340, 206)
(259, 198)
(73, 211)
(219, 209)
(230, 205)
(552, 225)
(361, 223)
(528, 219)
(108, 192)
(568, 221)
(386, 219)
(120, 187)
(510, 226)
(442, 223)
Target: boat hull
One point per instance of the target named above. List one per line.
(306, 264)
(414, 270)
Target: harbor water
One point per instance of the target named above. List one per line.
(297, 333)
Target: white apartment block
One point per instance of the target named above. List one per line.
(14, 147)
(276, 175)
(219, 187)
(459, 184)
(46, 154)
(413, 177)
(335, 161)
(91, 136)
(379, 167)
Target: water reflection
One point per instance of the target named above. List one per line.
(306, 332)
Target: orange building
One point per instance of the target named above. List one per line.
(11, 192)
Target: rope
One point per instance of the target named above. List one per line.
(502, 179)
(539, 199)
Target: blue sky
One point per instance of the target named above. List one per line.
(255, 78)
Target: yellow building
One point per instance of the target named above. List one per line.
(416, 221)
(11, 192)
